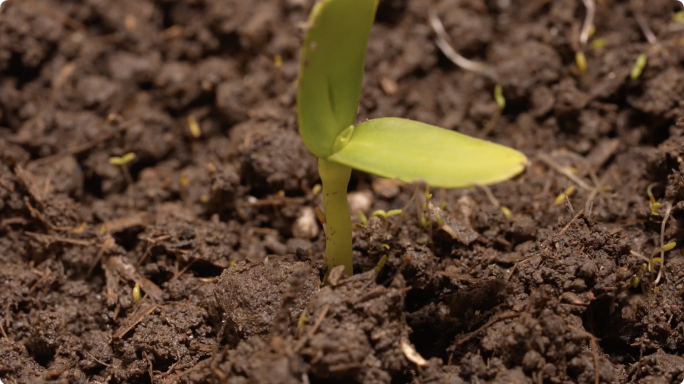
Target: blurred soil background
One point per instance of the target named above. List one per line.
(214, 217)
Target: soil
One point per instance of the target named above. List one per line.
(218, 229)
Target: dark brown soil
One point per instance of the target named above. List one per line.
(219, 230)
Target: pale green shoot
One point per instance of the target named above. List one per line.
(330, 81)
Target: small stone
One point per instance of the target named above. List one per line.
(306, 227)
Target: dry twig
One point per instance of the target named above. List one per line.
(57, 239)
(442, 42)
(546, 159)
(571, 221)
(590, 5)
(491, 322)
(137, 319)
(313, 329)
(662, 243)
(637, 7)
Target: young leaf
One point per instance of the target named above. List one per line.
(331, 70)
(413, 151)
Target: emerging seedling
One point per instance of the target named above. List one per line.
(194, 127)
(639, 66)
(136, 292)
(330, 81)
(652, 203)
(386, 215)
(123, 162)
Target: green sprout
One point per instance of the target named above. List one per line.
(598, 43)
(330, 82)
(639, 66)
(562, 196)
(194, 127)
(362, 217)
(581, 62)
(652, 203)
(136, 292)
(499, 97)
(386, 215)
(380, 265)
(122, 161)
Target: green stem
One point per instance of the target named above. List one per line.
(338, 230)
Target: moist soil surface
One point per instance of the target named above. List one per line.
(214, 219)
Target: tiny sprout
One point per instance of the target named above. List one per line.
(428, 195)
(380, 265)
(507, 212)
(184, 180)
(439, 219)
(278, 61)
(121, 162)
(111, 118)
(499, 97)
(194, 127)
(651, 265)
(316, 190)
(386, 215)
(204, 199)
(639, 66)
(678, 17)
(386, 246)
(656, 290)
(281, 193)
(561, 197)
(362, 217)
(636, 281)
(668, 247)
(570, 169)
(450, 231)
(80, 229)
(302, 322)
(653, 204)
(443, 205)
(232, 263)
(424, 221)
(136, 292)
(581, 61)
(598, 43)
(103, 230)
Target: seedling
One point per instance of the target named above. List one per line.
(639, 66)
(194, 127)
(362, 217)
(136, 292)
(380, 265)
(652, 203)
(563, 195)
(499, 97)
(598, 43)
(123, 163)
(386, 215)
(581, 62)
(330, 81)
